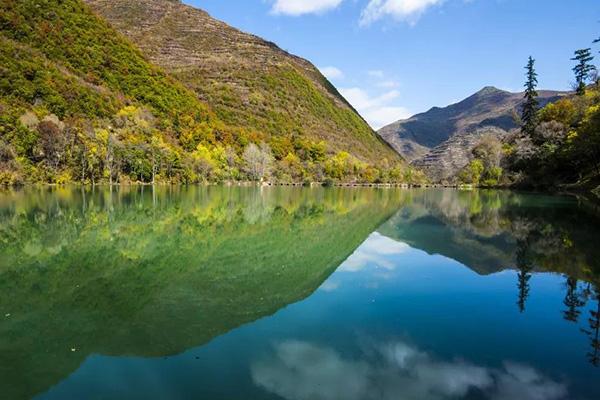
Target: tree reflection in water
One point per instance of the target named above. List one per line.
(594, 329)
(491, 231)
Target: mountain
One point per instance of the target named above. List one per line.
(248, 81)
(440, 140)
(177, 96)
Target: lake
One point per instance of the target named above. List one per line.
(298, 294)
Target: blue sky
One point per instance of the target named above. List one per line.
(395, 58)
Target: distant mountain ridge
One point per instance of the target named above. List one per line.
(440, 140)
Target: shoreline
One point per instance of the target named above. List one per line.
(572, 191)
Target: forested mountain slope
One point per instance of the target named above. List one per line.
(440, 140)
(250, 82)
(81, 102)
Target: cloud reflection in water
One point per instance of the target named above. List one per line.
(301, 371)
(377, 250)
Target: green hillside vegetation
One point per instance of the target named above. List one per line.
(80, 103)
(564, 150)
(558, 145)
(248, 81)
(156, 271)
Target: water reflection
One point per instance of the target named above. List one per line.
(525, 267)
(135, 275)
(594, 328)
(153, 272)
(301, 371)
(491, 231)
(574, 300)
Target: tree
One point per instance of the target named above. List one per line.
(593, 332)
(52, 141)
(595, 75)
(583, 69)
(531, 105)
(489, 151)
(471, 174)
(258, 161)
(525, 267)
(563, 111)
(203, 163)
(107, 140)
(339, 166)
(157, 154)
(572, 301)
(586, 142)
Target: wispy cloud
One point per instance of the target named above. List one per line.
(402, 10)
(307, 371)
(329, 286)
(302, 7)
(377, 250)
(377, 110)
(331, 72)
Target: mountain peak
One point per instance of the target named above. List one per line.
(440, 140)
(487, 90)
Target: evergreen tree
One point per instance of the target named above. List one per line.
(531, 105)
(583, 69)
(525, 267)
(573, 301)
(594, 331)
(596, 76)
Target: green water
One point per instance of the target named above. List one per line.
(281, 293)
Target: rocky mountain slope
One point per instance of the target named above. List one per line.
(440, 140)
(248, 81)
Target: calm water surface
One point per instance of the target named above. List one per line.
(298, 294)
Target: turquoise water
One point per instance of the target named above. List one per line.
(279, 293)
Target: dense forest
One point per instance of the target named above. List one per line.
(80, 103)
(557, 145)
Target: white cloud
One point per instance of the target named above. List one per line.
(332, 72)
(377, 110)
(380, 117)
(301, 7)
(402, 10)
(377, 250)
(396, 370)
(361, 99)
(329, 286)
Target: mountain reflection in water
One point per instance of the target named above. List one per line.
(105, 291)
